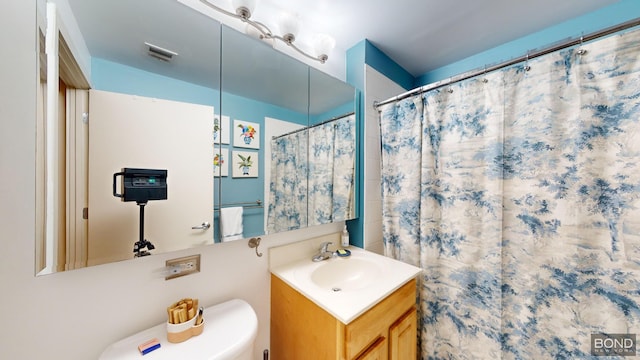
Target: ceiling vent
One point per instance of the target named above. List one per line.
(160, 53)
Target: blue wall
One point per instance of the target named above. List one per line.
(114, 77)
(338, 111)
(366, 53)
(355, 65)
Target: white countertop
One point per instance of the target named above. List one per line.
(351, 302)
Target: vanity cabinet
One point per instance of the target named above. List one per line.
(300, 329)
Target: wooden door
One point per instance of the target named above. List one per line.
(137, 132)
(377, 351)
(403, 337)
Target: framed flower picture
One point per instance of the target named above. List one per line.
(245, 164)
(221, 129)
(246, 134)
(220, 162)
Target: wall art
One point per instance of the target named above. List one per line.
(246, 134)
(220, 162)
(245, 164)
(221, 129)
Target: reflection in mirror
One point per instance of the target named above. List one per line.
(332, 149)
(264, 94)
(283, 101)
(324, 151)
(243, 90)
(154, 80)
(332, 156)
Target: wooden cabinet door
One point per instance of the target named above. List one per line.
(403, 337)
(376, 321)
(377, 351)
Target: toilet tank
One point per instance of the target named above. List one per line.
(230, 330)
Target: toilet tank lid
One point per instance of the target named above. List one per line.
(230, 328)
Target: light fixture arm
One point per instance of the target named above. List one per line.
(321, 58)
(264, 29)
(215, 7)
(265, 32)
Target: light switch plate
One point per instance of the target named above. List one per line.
(182, 266)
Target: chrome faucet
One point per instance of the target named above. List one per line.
(324, 253)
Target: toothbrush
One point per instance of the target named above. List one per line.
(199, 319)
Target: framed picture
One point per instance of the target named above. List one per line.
(245, 164)
(220, 162)
(221, 129)
(246, 134)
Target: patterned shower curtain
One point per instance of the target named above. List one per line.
(288, 184)
(518, 193)
(332, 170)
(312, 176)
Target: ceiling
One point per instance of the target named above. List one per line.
(423, 35)
(420, 35)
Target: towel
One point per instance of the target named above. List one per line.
(231, 223)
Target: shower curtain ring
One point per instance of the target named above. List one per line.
(581, 51)
(526, 63)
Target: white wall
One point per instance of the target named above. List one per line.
(75, 315)
(377, 88)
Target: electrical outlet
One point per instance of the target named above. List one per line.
(182, 266)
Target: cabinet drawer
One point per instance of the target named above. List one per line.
(375, 323)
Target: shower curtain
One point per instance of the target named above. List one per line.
(288, 184)
(312, 176)
(331, 170)
(517, 193)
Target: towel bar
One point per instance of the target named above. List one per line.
(246, 205)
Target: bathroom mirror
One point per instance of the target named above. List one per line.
(303, 149)
(154, 70)
(332, 149)
(264, 93)
(241, 79)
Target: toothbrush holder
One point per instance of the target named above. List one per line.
(177, 333)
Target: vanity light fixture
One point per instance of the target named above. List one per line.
(289, 25)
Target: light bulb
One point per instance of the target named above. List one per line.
(323, 44)
(289, 25)
(244, 8)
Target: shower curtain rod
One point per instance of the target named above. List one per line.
(473, 73)
(314, 125)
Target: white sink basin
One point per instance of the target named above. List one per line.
(346, 287)
(346, 274)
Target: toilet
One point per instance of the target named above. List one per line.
(230, 330)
